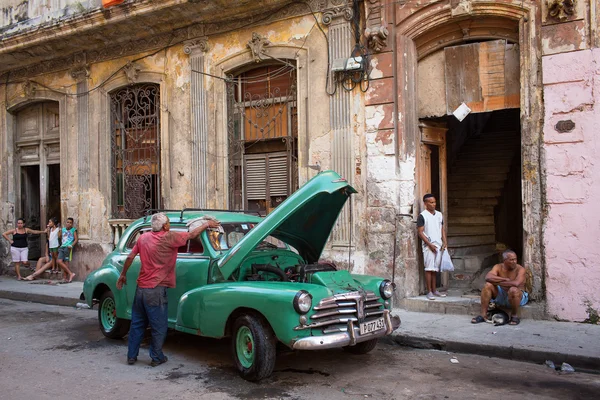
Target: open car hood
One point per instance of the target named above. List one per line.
(304, 221)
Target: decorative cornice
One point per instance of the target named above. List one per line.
(257, 46)
(196, 45)
(193, 32)
(561, 10)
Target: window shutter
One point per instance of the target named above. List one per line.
(256, 177)
(278, 175)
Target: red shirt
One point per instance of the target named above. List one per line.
(158, 253)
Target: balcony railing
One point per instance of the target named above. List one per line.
(118, 226)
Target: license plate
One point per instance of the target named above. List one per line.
(372, 326)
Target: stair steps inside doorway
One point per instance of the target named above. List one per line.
(476, 182)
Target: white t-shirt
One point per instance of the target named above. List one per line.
(53, 238)
(433, 226)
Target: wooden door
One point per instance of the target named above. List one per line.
(432, 175)
(37, 145)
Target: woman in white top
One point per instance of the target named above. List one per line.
(53, 243)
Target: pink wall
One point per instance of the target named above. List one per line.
(572, 161)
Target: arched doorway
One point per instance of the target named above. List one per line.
(37, 156)
(423, 32)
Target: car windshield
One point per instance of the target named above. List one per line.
(232, 233)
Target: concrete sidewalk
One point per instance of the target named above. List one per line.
(532, 340)
(43, 291)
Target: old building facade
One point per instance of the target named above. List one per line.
(109, 112)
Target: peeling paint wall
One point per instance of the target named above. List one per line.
(573, 182)
(17, 15)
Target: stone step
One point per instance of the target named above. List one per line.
(471, 219)
(466, 305)
(474, 262)
(466, 211)
(472, 194)
(475, 202)
(463, 251)
(457, 230)
(472, 240)
(476, 177)
(465, 170)
(477, 185)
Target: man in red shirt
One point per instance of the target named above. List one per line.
(158, 253)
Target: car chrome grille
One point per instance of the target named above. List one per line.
(333, 313)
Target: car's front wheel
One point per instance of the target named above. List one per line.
(253, 346)
(362, 347)
(111, 326)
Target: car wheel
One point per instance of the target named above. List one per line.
(362, 347)
(111, 326)
(253, 346)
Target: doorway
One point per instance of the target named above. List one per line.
(37, 145)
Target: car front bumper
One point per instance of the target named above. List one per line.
(349, 338)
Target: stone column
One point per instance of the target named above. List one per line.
(81, 75)
(340, 112)
(199, 123)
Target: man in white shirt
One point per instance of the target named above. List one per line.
(430, 227)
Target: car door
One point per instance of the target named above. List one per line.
(134, 270)
(191, 272)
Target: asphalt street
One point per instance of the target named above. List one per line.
(53, 352)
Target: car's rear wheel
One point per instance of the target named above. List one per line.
(253, 346)
(110, 325)
(362, 347)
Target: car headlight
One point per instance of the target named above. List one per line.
(386, 289)
(302, 302)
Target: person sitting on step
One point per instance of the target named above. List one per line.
(505, 284)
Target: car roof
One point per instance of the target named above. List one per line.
(223, 217)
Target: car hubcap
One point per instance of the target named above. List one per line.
(108, 314)
(245, 347)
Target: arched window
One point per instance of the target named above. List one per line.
(263, 136)
(135, 142)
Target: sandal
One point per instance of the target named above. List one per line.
(478, 319)
(514, 320)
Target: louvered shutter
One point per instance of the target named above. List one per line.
(278, 174)
(256, 176)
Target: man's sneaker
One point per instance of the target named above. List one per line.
(430, 296)
(438, 294)
(131, 361)
(157, 363)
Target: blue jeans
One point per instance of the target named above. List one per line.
(149, 307)
(502, 298)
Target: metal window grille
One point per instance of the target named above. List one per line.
(135, 143)
(262, 135)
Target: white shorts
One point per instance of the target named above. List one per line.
(19, 254)
(432, 260)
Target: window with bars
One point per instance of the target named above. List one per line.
(263, 132)
(135, 145)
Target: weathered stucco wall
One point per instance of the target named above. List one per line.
(17, 15)
(572, 101)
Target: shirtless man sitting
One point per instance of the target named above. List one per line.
(505, 283)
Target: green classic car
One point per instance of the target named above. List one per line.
(258, 280)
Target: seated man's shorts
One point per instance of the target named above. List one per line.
(64, 253)
(502, 298)
(19, 254)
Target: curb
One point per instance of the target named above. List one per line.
(39, 298)
(585, 363)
